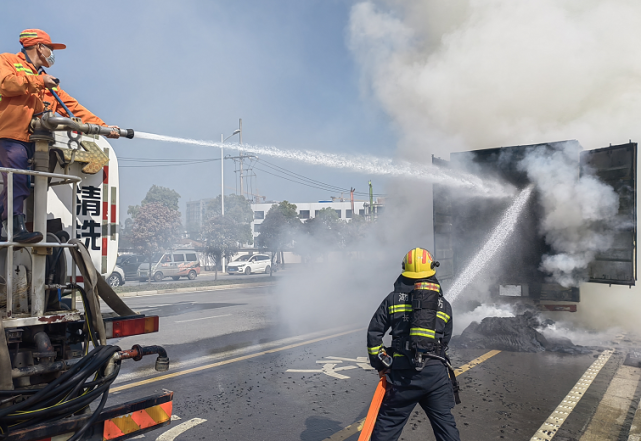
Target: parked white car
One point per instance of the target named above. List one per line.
(256, 263)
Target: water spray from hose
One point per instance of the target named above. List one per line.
(494, 243)
(361, 163)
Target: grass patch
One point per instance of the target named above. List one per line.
(154, 286)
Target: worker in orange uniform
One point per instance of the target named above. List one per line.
(25, 91)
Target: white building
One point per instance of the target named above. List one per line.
(308, 210)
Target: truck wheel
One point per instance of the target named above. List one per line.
(175, 277)
(248, 271)
(114, 280)
(192, 275)
(158, 277)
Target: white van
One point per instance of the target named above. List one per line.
(247, 264)
(174, 264)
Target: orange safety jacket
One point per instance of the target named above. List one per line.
(23, 94)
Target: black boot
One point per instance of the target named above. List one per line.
(20, 232)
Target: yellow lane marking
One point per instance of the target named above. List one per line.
(475, 362)
(232, 360)
(353, 429)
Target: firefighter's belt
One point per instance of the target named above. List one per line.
(450, 371)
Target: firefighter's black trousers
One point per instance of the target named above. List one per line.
(431, 388)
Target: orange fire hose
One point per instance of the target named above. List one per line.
(372, 413)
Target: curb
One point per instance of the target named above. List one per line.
(194, 289)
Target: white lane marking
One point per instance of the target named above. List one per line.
(361, 362)
(172, 433)
(328, 369)
(610, 417)
(202, 318)
(175, 417)
(554, 422)
(329, 366)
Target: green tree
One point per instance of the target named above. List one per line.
(157, 195)
(278, 230)
(155, 229)
(356, 230)
(322, 234)
(235, 206)
(124, 241)
(224, 235)
(162, 195)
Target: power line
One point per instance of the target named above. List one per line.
(314, 182)
(277, 171)
(290, 180)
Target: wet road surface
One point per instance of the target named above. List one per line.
(237, 375)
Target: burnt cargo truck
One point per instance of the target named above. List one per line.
(463, 224)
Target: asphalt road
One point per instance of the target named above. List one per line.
(258, 380)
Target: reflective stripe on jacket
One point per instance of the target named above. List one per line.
(394, 314)
(22, 94)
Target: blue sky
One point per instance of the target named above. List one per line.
(193, 68)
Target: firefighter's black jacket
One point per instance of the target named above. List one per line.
(394, 312)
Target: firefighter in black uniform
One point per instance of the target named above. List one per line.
(420, 373)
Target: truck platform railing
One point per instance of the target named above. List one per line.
(60, 179)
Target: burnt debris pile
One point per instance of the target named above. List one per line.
(516, 334)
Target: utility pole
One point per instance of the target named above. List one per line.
(222, 190)
(351, 198)
(240, 152)
(222, 176)
(222, 180)
(371, 202)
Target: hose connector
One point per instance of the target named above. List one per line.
(137, 352)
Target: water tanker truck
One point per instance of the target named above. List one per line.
(463, 224)
(56, 366)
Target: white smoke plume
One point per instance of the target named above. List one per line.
(468, 74)
(464, 319)
(579, 213)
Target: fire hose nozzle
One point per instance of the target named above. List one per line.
(93, 129)
(52, 122)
